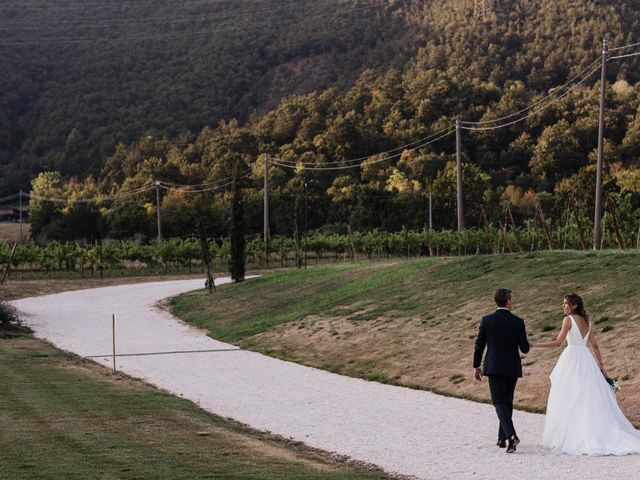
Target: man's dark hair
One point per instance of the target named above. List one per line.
(502, 296)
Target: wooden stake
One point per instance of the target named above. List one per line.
(113, 336)
(488, 229)
(614, 221)
(6, 269)
(427, 240)
(583, 242)
(515, 230)
(353, 248)
(544, 225)
(504, 235)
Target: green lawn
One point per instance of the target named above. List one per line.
(64, 418)
(413, 323)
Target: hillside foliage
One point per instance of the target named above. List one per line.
(317, 86)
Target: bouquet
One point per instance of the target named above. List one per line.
(613, 383)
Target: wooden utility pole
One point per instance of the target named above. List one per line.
(266, 233)
(598, 209)
(459, 177)
(158, 221)
(20, 216)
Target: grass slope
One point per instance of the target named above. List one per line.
(62, 417)
(414, 323)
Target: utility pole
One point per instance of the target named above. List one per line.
(20, 216)
(598, 210)
(306, 208)
(266, 233)
(158, 210)
(430, 217)
(459, 177)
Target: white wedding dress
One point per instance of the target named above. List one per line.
(583, 416)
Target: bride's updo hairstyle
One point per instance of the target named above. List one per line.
(573, 299)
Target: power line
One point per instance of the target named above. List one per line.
(624, 46)
(289, 164)
(624, 56)
(554, 93)
(533, 112)
(418, 143)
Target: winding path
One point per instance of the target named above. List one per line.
(401, 430)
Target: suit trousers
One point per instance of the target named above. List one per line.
(502, 388)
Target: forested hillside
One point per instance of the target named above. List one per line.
(80, 76)
(371, 85)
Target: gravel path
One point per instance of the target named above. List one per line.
(401, 430)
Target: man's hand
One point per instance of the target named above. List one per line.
(478, 374)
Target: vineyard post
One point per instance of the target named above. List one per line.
(566, 227)
(504, 235)
(6, 270)
(614, 221)
(544, 224)
(488, 230)
(597, 233)
(583, 242)
(353, 248)
(515, 230)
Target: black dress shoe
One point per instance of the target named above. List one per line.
(513, 441)
(502, 443)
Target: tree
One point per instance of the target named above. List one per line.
(237, 232)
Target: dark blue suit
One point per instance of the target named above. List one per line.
(503, 334)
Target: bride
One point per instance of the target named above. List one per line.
(583, 416)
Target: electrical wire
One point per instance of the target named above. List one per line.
(624, 56)
(10, 197)
(624, 46)
(211, 189)
(533, 112)
(418, 143)
(556, 90)
(289, 164)
(203, 184)
(90, 200)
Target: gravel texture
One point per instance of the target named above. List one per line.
(404, 431)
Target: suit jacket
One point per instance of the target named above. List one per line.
(502, 333)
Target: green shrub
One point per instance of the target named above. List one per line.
(8, 313)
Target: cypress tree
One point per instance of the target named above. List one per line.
(237, 232)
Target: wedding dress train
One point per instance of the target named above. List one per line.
(583, 416)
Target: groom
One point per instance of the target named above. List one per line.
(502, 333)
